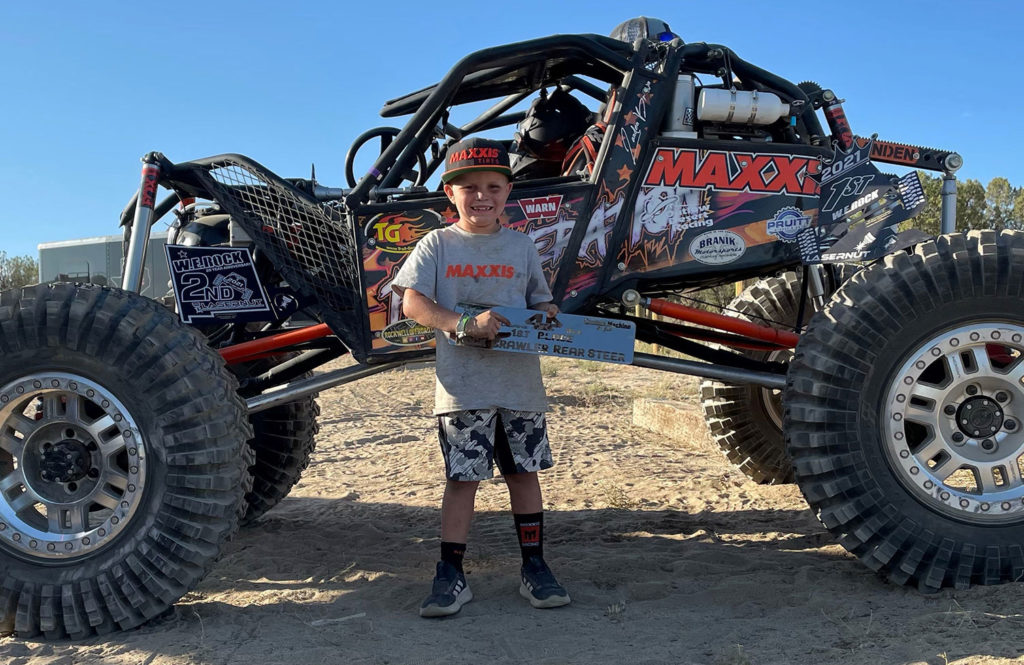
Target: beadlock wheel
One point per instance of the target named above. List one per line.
(72, 465)
(903, 409)
(123, 464)
(953, 422)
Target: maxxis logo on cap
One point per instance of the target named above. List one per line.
(716, 248)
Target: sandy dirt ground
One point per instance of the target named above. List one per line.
(670, 555)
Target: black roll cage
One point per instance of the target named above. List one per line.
(517, 70)
(495, 70)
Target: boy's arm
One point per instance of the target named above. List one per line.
(426, 312)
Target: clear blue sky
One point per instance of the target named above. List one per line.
(89, 87)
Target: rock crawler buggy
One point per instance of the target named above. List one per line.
(134, 438)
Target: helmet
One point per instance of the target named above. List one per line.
(544, 135)
(642, 26)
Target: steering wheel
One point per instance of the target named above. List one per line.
(386, 135)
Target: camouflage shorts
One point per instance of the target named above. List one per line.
(473, 441)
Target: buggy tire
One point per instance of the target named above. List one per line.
(745, 421)
(893, 392)
(123, 463)
(283, 440)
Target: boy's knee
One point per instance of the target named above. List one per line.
(525, 478)
(462, 486)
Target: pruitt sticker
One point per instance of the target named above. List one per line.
(716, 248)
(787, 224)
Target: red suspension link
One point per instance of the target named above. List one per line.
(257, 347)
(720, 322)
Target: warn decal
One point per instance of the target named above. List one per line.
(733, 171)
(541, 207)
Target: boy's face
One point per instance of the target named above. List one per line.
(480, 199)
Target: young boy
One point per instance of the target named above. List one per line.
(490, 404)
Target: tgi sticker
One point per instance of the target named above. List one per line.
(717, 247)
(216, 282)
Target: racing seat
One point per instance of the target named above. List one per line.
(552, 124)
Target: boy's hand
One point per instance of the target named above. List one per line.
(485, 325)
(549, 308)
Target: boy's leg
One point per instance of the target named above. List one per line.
(457, 510)
(524, 492)
(521, 447)
(527, 511)
(450, 590)
(468, 455)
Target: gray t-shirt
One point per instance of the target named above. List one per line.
(452, 266)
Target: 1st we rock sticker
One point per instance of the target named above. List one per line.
(216, 282)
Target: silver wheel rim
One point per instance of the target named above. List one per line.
(953, 422)
(72, 466)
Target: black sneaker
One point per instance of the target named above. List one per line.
(539, 585)
(449, 593)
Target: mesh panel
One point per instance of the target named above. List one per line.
(309, 243)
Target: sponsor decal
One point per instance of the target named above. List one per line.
(836, 114)
(858, 255)
(669, 209)
(844, 162)
(407, 333)
(635, 122)
(856, 205)
(911, 192)
(788, 223)
(498, 270)
(284, 303)
(541, 207)
(810, 247)
(715, 248)
(895, 152)
(398, 232)
(216, 281)
(733, 172)
(150, 180)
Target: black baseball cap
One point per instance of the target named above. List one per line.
(476, 154)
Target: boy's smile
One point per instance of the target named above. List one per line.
(480, 199)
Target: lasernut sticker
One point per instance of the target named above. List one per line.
(716, 248)
(788, 223)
